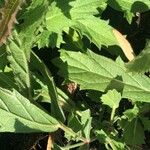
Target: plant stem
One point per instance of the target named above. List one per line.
(73, 146)
(112, 146)
(112, 114)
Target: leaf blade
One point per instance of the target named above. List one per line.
(111, 98)
(18, 114)
(77, 17)
(100, 73)
(19, 64)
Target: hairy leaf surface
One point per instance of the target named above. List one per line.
(111, 98)
(18, 114)
(75, 15)
(141, 63)
(133, 132)
(56, 110)
(19, 64)
(99, 73)
(103, 137)
(33, 18)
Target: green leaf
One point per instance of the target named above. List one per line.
(75, 124)
(75, 15)
(130, 114)
(80, 124)
(86, 121)
(32, 17)
(3, 58)
(56, 21)
(100, 73)
(130, 5)
(38, 65)
(146, 123)
(19, 64)
(85, 8)
(104, 138)
(66, 12)
(65, 101)
(41, 94)
(44, 39)
(97, 30)
(111, 98)
(7, 81)
(56, 147)
(133, 132)
(54, 16)
(55, 108)
(141, 63)
(18, 114)
(74, 41)
(128, 15)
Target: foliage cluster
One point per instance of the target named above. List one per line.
(63, 67)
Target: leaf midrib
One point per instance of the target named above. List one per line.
(17, 116)
(102, 76)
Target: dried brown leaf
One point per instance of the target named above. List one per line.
(124, 44)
